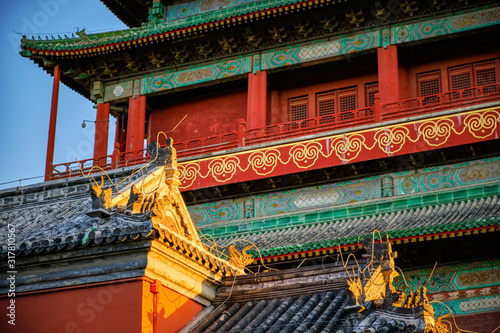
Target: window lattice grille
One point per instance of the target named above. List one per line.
(486, 76)
(298, 108)
(429, 87)
(461, 81)
(326, 107)
(370, 91)
(348, 103)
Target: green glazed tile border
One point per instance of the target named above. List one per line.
(354, 210)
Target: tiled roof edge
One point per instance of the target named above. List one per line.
(490, 224)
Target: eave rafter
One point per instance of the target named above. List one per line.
(205, 37)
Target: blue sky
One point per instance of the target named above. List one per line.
(26, 89)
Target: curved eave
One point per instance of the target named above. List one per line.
(412, 225)
(317, 250)
(186, 248)
(69, 82)
(137, 37)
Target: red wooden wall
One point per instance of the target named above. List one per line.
(127, 307)
(207, 116)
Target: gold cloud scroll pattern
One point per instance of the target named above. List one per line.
(305, 156)
(223, 169)
(482, 125)
(391, 140)
(264, 162)
(436, 133)
(348, 147)
(194, 76)
(188, 174)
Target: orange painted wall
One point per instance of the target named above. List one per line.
(207, 116)
(174, 310)
(105, 308)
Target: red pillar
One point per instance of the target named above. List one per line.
(101, 133)
(388, 74)
(52, 123)
(257, 100)
(135, 123)
(120, 133)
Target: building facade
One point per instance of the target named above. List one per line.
(301, 128)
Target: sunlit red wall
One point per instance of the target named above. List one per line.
(173, 310)
(121, 307)
(104, 308)
(207, 116)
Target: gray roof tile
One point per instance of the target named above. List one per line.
(429, 220)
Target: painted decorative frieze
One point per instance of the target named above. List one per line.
(175, 79)
(393, 140)
(361, 190)
(286, 201)
(464, 287)
(299, 54)
(443, 177)
(445, 26)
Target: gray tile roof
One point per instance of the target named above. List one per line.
(55, 225)
(431, 220)
(47, 224)
(320, 312)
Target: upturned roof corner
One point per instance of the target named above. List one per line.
(156, 196)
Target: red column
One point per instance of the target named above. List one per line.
(388, 74)
(101, 133)
(257, 100)
(52, 123)
(135, 123)
(120, 132)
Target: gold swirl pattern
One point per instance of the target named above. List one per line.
(188, 173)
(348, 147)
(223, 169)
(436, 133)
(305, 156)
(482, 125)
(264, 162)
(391, 140)
(475, 174)
(471, 126)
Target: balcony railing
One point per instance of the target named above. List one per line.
(309, 126)
(243, 137)
(439, 102)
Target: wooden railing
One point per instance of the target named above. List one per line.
(439, 102)
(309, 126)
(243, 137)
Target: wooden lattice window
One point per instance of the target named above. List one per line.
(336, 102)
(429, 84)
(326, 103)
(298, 108)
(370, 91)
(467, 76)
(347, 100)
(461, 77)
(486, 74)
